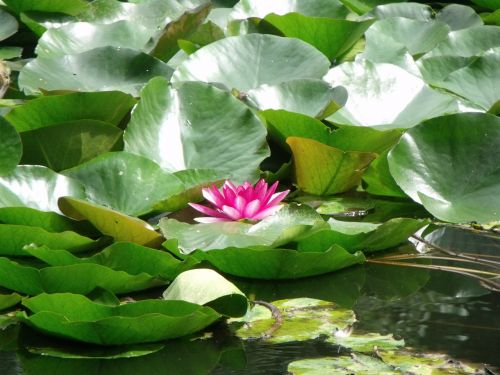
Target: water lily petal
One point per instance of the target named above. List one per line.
(278, 197)
(212, 197)
(206, 210)
(207, 220)
(266, 212)
(252, 208)
(271, 191)
(240, 204)
(231, 212)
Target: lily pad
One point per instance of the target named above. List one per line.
(8, 25)
(248, 61)
(333, 37)
(72, 7)
(14, 239)
(379, 179)
(312, 97)
(385, 94)
(36, 187)
(459, 17)
(207, 287)
(301, 319)
(367, 342)
(109, 107)
(125, 182)
(466, 191)
(367, 237)
(11, 147)
(9, 300)
(264, 262)
(112, 223)
(196, 126)
(100, 69)
(78, 37)
(316, 8)
(76, 317)
(288, 224)
(324, 170)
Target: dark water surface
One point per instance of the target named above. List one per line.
(433, 311)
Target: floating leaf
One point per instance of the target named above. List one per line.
(207, 287)
(72, 7)
(316, 8)
(76, 317)
(367, 237)
(459, 17)
(196, 126)
(289, 223)
(36, 187)
(112, 223)
(8, 25)
(302, 319)
(263, 262)
(14, 239)
(385, 94)
(9, 300)
(101, 69)
(125, 182)
(465, 191)
(324, 170)
(379, 179)
(367, 342)
(248, 61)
(78, 37)
(312, 97)
(10, 147)
(333, 37)
(110, 107)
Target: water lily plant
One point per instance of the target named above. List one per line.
(243, 202)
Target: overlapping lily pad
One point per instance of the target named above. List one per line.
(10, 147)
(248, 61)
(465, 187)
(76, 317)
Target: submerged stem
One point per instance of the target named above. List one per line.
(276, 314)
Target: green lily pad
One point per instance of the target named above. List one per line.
(112, 223)
(74, 278)
(110, 107)
(248, 61)
(367, 237)
(167, 43)
(413, 11)
(11, 147)
(8, 25)
(207, 287)
(459, 17)
(311, 97)
(204, 34)
(121, 256)
(264, 262)
(467, 191)
(49, 221)
(385, 94)
(76, 317)
(39, 22)
(333, 37)
(288, 224)
(100, 69)
(367, 342)
(355, 364)
(14, 239)
(324, 170)
(316, 8)
(72, 7)
(9, 300)
(78, 37)
(125, 182)
(182, 129)
(69, 144)
(379, 179)
(302, 319)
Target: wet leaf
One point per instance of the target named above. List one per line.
(11, 147)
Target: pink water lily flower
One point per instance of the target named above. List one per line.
(244, 202)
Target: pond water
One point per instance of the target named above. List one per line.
(433, 311)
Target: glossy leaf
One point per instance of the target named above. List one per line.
(261, 8)
(9, 300)
(333, 37)
(196, 126)
(310, 97)
(264, 262)
(72, 7)
(75, 317)
(367, 237)
(459, 17)
(125, 182)
(248, 61)
(78, 37)
(36, 187)
(68, 144)
(379, 179)
(324, 170)
(101, 69)
(466, 191)
(110, 107)
(207, 287)
(288, 224)
(11, 147)
(394, 97)
(112, 223)
(8, 25)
